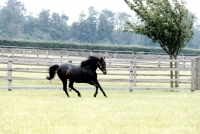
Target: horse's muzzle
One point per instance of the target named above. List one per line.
(104, 72)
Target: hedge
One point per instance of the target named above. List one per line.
(57, 45)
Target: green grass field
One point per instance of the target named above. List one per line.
(140, 112)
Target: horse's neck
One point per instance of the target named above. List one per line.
(92, 67)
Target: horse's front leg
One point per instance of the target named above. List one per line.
(97, 85)
(101, 89)
(96, 92)
(93, 83)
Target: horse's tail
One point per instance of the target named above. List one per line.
(52, 71)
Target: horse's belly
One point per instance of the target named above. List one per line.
(79, 80)
(77, 77)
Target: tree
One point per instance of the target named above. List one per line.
(82, 37)
(78, 30)
(195, 42)
(91, 25)
(86, 29)
(120, 22)
(44, 20)
(30, 25)
(106, 25)
(167, 22)
(58, 28)
(12, 18)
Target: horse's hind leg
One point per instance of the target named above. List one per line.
(65, 86)
(72, 87)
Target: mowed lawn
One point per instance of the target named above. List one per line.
(139, 112)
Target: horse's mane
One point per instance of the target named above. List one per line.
(90, 60)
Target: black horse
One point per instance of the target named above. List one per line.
(85, 73)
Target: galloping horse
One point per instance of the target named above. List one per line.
(85, 73)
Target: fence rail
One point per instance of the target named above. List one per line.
(132, 72)
(14, 51)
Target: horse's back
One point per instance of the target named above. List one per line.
(61, 71)
(75, 73)
(69, 71)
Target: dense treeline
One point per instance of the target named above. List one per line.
(92, 28)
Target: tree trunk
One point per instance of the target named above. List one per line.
(171, 72)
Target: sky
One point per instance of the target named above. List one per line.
(72, 8)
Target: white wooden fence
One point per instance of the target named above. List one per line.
(195, 74)
(130, 71)
(74, 52)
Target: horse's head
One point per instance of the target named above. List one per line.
(102, 65)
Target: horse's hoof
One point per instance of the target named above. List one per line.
(79, 95)
(95, 95)
(67, 95)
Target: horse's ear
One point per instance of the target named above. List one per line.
(102, 58)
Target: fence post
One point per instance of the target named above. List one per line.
(47, 53)
(61, 59)
(183, 61)
(193, 70)
(135, 72)
(2, 51)
(194, 75)
(37, 53)
(67, 54)
(131, 76)
(198, 73)
(159, 61)
(177, 74)
(23, 52)
(110, 59)
(115, 55)
(9, 74)
(12, 52)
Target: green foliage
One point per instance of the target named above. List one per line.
(102, 27)
(165, 22)
(12, 18)
(98, 27)
(57, 45)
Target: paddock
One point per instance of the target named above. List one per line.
(152, 106)
(128, 71)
